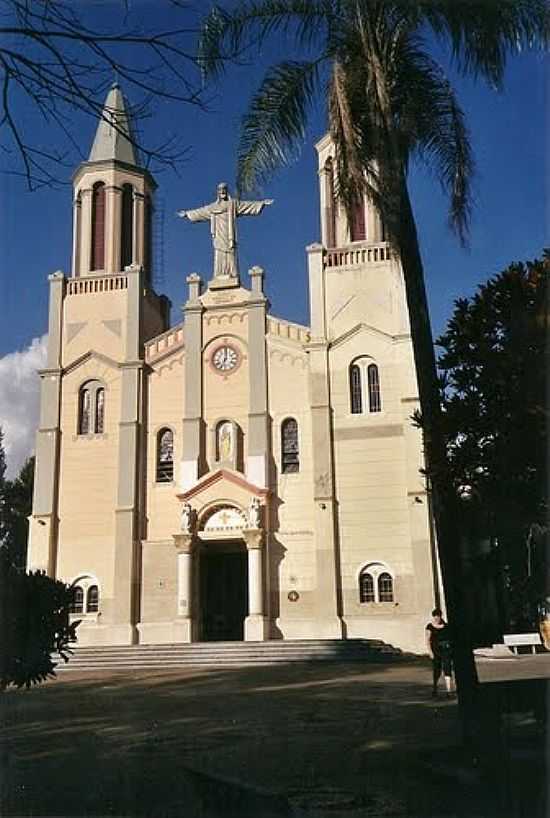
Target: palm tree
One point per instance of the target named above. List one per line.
(389, 102)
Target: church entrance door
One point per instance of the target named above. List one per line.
(223, 593)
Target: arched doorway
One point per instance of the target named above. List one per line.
(223, 576)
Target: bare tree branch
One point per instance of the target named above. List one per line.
(54, 61)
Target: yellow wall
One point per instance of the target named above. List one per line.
(88, 480)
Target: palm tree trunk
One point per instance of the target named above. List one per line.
(444, 499)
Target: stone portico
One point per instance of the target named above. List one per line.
(215, 523)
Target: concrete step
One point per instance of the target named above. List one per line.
(226, 654)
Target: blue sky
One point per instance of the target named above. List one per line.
(510, 138)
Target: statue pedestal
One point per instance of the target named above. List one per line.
(223, 282)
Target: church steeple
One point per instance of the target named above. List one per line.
(113, 199)
(114, 138)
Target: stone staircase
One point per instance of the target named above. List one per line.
(227, 654)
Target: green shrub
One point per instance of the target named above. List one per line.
(34, 623)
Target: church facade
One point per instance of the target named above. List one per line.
(236, 476)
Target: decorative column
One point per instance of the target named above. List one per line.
(258, 416)
(85, 232)
(184, 623)
(113, 228)
(373, 224)
(137, 229)
(77, 220)
(255, 629)
(327, 605)
(125, 608)
(192, 400)
(42, 552)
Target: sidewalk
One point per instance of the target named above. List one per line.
(330, 741)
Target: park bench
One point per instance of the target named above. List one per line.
(519, 640)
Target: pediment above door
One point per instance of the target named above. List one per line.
(222, 489)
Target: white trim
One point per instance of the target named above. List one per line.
(374, 569)
(85, 581)
(363, 362)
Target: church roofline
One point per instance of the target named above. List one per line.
(114, 138)
(113, 164)
(301, 334)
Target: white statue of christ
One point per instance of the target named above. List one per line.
(222, 215)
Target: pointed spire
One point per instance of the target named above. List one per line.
(114, 143)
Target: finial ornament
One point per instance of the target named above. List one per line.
(222, 215)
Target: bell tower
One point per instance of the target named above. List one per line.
(93, 395)
(113, 200)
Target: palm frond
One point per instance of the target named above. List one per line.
(430, 122)
(483, 33)
(346, 137)
(275, 121)
(225, 35)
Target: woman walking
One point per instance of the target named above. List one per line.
(438, 641)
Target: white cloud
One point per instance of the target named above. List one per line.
(20, 402)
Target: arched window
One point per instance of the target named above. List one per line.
(77, 603)
(127, 227)
(98, 227)
(356, 395)
(330, 204)
(99, 410)
(92, 599)
(85, 595)
(91, 408)
(375, 404)
(385, 588)
(84, 411)
(366, 587)
(358, 230)
(364, 387)
(165, 456)
(290, 453)
(376, 583)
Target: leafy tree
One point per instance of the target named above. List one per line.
(2, 458)
(34, 609)
(34, 622)
(2, 488)
(389, 102)
(496, 413)
(16, 508)
(57, 58)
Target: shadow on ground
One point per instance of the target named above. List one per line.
(292, 740)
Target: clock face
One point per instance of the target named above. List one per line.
(225, 358)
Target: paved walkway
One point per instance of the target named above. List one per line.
(330, 741)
